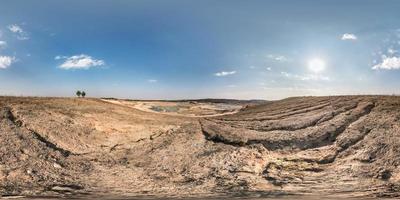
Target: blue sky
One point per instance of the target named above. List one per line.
(169, 49)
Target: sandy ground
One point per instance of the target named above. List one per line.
(187, 109)
(346, 146)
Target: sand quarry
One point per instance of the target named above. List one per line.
(342, 146)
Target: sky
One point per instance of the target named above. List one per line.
(187, 49)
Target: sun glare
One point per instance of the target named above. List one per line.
(316, 65)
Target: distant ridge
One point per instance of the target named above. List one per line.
(206, 100)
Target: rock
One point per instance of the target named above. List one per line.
(57, 166)
(62, 189)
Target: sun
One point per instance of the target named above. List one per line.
(316, 65)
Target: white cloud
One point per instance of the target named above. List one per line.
(79, 62)
(6, 61)
(269, 68)
(20, 33)
(223, 73)
(349, 36)
(391, 51)
(15, 28)
(152, 81)
(307, 77)
(3, 44)
(60, 57)
(388, 63)
(278, 58)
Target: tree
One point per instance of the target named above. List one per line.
(78, 93)
(83, 94)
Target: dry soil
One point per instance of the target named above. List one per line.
(342, 146)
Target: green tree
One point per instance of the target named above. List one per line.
(83, 94)
(78, 93)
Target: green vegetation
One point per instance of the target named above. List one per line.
(165, 108)
(81, 93)
(78, 93)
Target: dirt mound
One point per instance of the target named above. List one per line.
(339, 146)
(31, 165)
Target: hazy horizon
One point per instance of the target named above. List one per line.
(177, 49)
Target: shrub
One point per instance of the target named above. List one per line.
(78, 93)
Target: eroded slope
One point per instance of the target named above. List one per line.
(325, 144)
